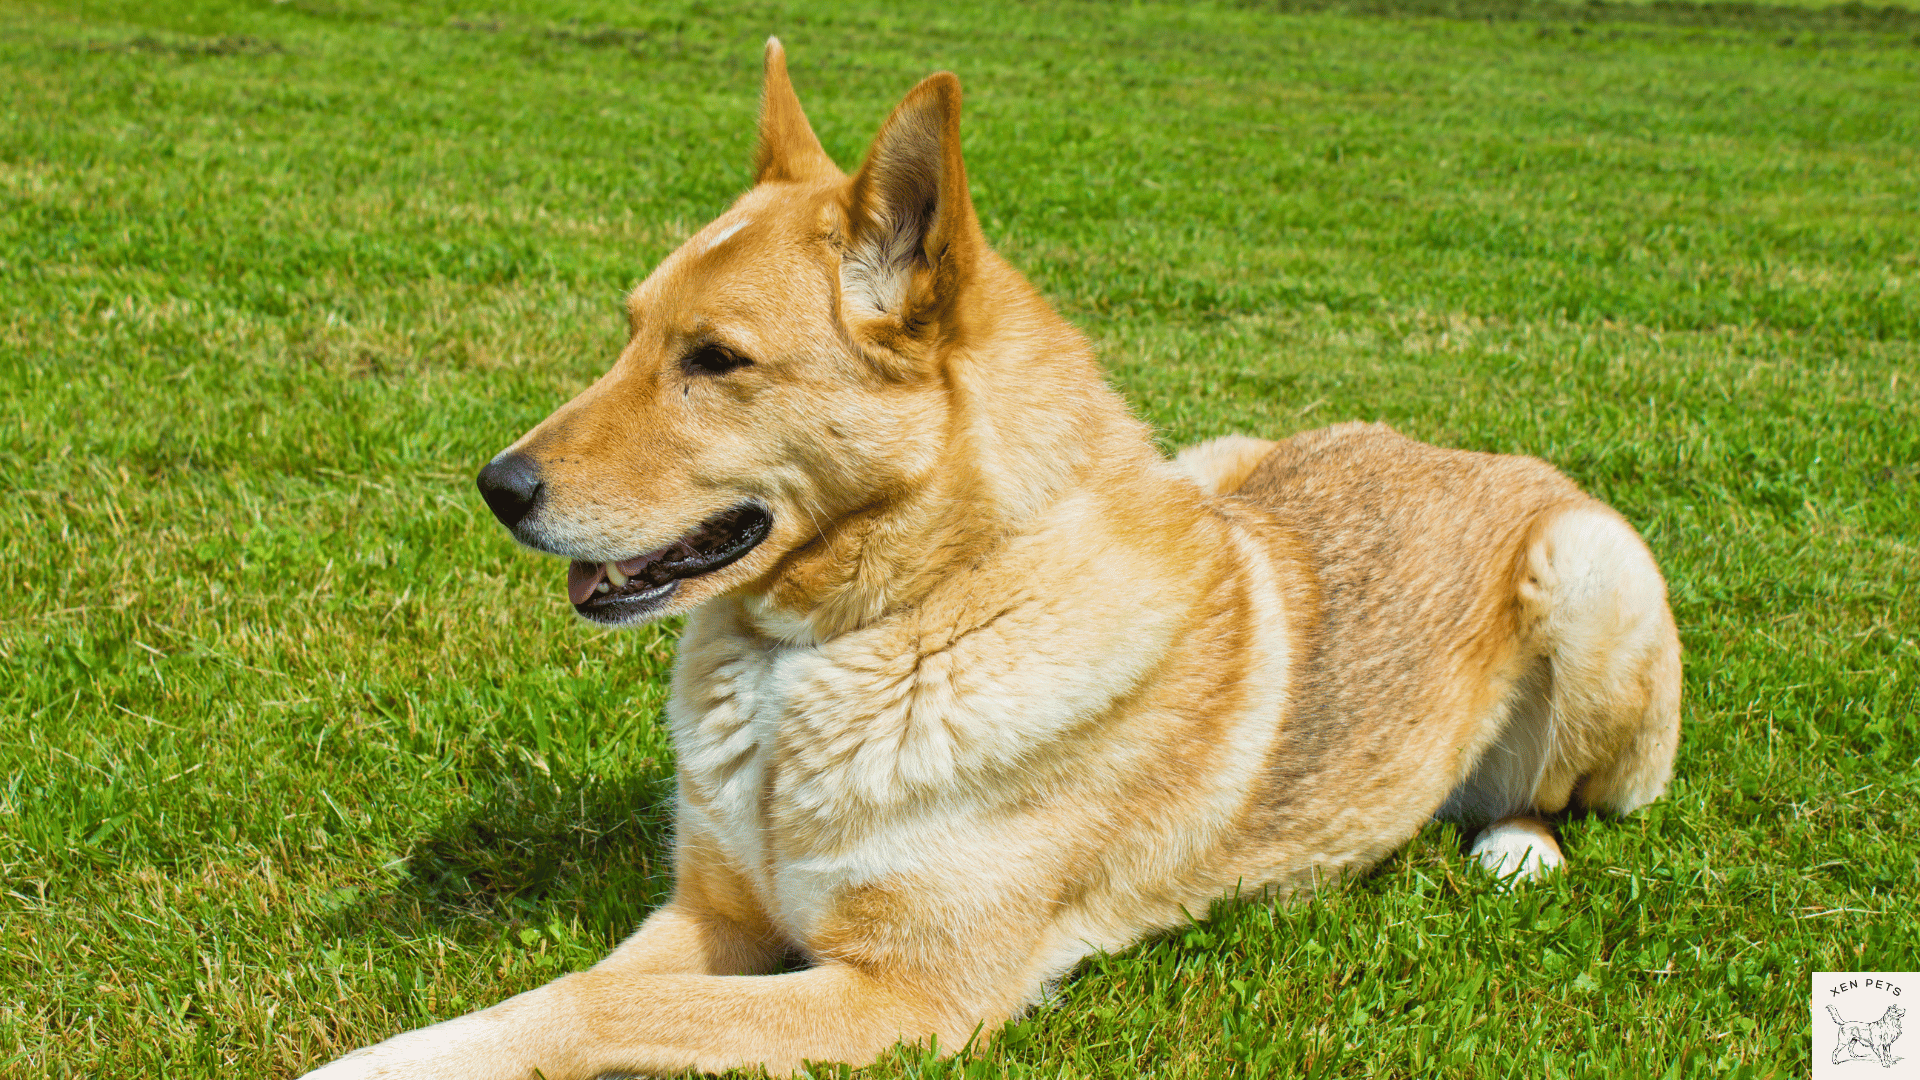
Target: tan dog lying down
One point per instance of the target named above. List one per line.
(973, 682)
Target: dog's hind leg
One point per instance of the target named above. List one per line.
(1499, 792)
(1221, 465)
(1595, 716)
(1596, 606)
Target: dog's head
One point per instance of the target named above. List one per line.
(782, 374)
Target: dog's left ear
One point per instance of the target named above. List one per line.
(913, 238)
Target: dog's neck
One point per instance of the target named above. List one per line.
(1004, 462)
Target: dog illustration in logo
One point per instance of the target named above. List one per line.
(1859, 1039)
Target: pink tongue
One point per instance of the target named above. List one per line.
(581, 578)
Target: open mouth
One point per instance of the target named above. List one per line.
(619, 591)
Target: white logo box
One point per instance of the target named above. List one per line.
(1864, 1025)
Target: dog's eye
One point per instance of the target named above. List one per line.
(712, 360)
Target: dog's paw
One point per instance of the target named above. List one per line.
(362, 1064)
(1518, 849)
(462, 1049)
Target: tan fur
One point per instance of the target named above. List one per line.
(1002, 687)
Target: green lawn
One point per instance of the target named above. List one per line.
(296, 749)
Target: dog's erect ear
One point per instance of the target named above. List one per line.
(912, 234)
(789, 150)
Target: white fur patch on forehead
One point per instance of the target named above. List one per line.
(727, 234)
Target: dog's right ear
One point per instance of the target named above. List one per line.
(912, 236)
(789, 150)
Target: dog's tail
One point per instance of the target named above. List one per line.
(1222, 465)
(1835, 1013)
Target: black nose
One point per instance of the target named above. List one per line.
(511, 485)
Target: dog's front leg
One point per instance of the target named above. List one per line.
(687, 937)
(683, 937)
(611, 1020)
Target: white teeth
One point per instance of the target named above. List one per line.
(602, 587)
(614, 575)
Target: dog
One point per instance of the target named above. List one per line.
(975, 683)
(1857, 1039)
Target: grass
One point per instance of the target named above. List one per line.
(297, 750)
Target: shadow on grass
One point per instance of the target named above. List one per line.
(538, 849)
